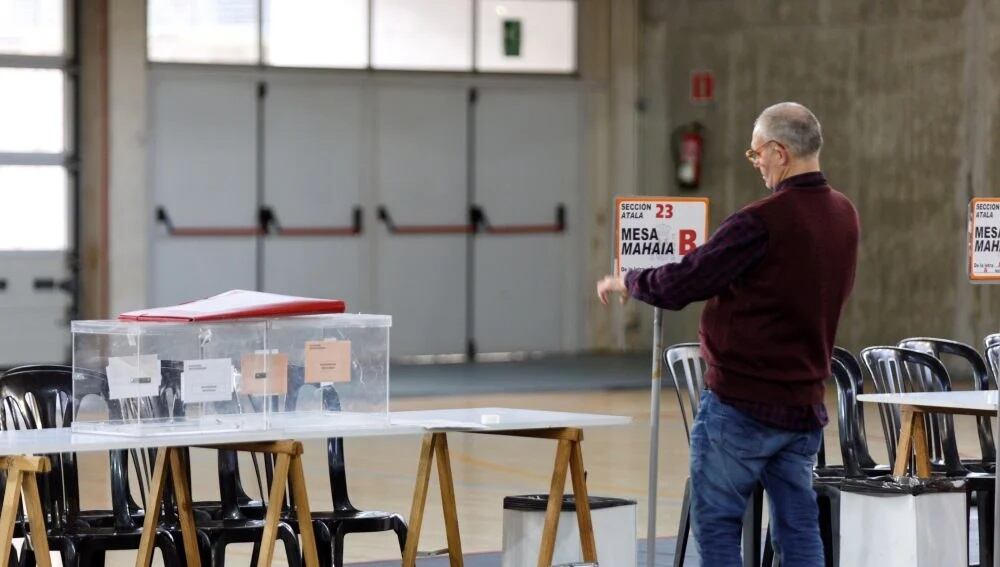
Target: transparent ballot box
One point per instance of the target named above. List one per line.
(338, 370)
(153, 378)
(132, 378)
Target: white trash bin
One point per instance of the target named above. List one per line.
(887, 524)
(614, 531)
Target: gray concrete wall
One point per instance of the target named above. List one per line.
(908, 92)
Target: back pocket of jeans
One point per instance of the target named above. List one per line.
(739, 433)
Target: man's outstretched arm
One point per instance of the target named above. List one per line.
(736, 247)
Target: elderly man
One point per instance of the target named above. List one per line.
(776, 275)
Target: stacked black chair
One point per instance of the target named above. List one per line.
(229, 523)
(41, 397)
(848, 392)
(852, 448)
(332, 526)
(899, 370)
(943, 350)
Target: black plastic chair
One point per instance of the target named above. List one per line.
(899, 370)
(687, 369)
(230, 524)
(943, 349)
(850, 364)
(41, 397)
(332, 526)
(993, 359)
(345, 518)
(828, 478)
(991, 340)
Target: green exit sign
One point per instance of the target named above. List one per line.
(512, 38)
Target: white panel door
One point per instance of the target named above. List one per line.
(203, 171)
(420, 175)
(527, 163)
(314, 150)
(34, 307)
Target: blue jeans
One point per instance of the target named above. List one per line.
(730, 453)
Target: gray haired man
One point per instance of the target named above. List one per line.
(776, 275)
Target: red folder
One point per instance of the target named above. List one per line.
(238, 304)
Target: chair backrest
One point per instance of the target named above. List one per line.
(940, 348)
(991, 339)
(687, 369)
(899, 370)
(121, 462)
(943, 349)
(847, 419)
(852, 367)
(40, 397)
(993, 359)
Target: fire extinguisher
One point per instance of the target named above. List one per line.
(688, 148)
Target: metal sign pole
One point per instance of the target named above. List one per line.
(654, 436)
(996, 499)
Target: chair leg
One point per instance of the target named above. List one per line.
(752, 528)
(69, 556)
(770, 557)
(985, 506)
(255, 553)
(291, 541)
(168, 550)
(324, 544)
(27, 558)
(835, 529)
(683, 527)
(204, 550)
(338, 547)
(399, 527)
(219, 553)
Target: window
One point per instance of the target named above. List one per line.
(32, 116)
(316, 33)
(526, 36)
(500, 36)
(422, 34)
(203, 31)
(34, 214)
(31, 27)
(34, 183)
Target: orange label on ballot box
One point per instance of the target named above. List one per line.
(264, 374)
(328, 361)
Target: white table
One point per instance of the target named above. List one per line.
(912, 434)
(17, 446)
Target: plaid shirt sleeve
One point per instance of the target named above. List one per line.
(737, 246)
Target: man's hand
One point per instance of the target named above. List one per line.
(611, 284)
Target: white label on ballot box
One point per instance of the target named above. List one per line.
(133, 376)
(209, 380)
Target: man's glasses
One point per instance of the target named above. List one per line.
(753, 154)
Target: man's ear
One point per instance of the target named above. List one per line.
(785, 156)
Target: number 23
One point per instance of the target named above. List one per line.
(664, 211)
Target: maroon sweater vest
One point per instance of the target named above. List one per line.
(769, 337)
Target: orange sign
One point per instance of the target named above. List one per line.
(328, 361)
(264, 374)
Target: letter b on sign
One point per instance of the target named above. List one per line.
(687, 244)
